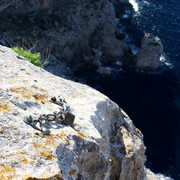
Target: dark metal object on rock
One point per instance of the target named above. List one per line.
(69, 119)
(63, 116)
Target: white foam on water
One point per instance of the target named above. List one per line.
(146, 3)
(127, 14)
(162, 58)
(162, 177)
(165, 62)
(127, 39)
(138, 6)
(134, 4)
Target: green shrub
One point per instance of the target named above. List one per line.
(34, 58)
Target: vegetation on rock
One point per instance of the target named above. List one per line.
(34, 58)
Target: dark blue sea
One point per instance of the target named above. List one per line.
(152, 99)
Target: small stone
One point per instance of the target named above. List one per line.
(53, 99)
(2, 130)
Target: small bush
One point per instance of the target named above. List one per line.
(34, 58)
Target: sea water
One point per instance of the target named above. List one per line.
(152, 99)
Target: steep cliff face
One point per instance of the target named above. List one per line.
(79, 33)
(102, 143)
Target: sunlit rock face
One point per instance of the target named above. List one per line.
(103, 143)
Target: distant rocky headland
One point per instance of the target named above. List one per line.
(82, 36)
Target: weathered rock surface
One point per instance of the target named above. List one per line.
(104, 143)
(73, 30)
(6, 6)
(148, 58)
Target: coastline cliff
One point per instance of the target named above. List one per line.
(78, 33)
(102, 143)
(81, 37)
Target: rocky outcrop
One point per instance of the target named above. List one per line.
(9, 7)
(148, 58)
(78, 33)
(103, 143)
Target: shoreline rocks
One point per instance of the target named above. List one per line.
(73, 31)
(148, 58)
(79, 34)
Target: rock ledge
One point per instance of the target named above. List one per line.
(103, 144)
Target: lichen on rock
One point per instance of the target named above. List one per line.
(102, 144)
